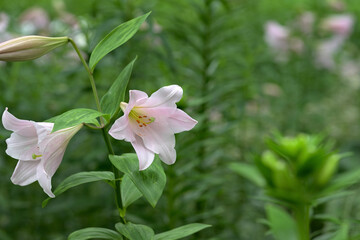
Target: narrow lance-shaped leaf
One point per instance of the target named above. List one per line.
(342, 233)
(76, 116)
(78, 179)
(95, 233)
(249, 172)
(181, 232)
(110, 102)
(135, 231)
(115, 39)
(150, 182)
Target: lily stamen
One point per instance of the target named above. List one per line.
(142, 120)
(34, 156)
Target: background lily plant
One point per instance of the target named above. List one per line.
(148, 123)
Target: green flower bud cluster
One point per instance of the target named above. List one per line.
(297, 169)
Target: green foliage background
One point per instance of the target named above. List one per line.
(215, 50)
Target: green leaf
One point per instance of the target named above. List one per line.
(95, 233)
(150, 182)
(249, 172)
(283, 226)
(75, 117)
(342, 233)
(129, 192)
(115, 39)
(181, 232)
(135, 231)
(110, 102)
(343, 181)
(78, 179)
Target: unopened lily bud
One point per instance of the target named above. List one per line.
(29, 47)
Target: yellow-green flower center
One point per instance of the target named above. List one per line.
(141, 119)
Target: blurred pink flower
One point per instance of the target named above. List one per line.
(276, 36)
(34, 20)
(326, 50)
(39, 151)
(278, 39)
(339, 24)
(149, 124)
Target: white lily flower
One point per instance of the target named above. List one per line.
(149, 124)
(39, 151)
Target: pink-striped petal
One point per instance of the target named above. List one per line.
(25, 173)
(180, 121)
(145, 156)
(120, 130)
(136, 97)
(43, 129)
(44, 180)
(161, 140)
(11, 123)
(164, 97)
(21, 147)
(53, 147)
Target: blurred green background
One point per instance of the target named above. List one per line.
(239, 84)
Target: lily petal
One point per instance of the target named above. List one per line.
(136, 97)
(11, 123)
(180, 121)
(145, 156)
(43, 129)
(44, 180)
(161, 140)
(120, 130)
(22, 144)
(22, 147)
(164, 97)
(53, 147)
(25, 173)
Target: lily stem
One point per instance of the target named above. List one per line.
(90, 73)
(302, 216)
(116, 172)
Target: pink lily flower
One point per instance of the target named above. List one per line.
(149, 124)
(38, 150)
(341, 25)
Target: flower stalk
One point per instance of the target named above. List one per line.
(105, 134)
(302, 216)
(90, 74)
